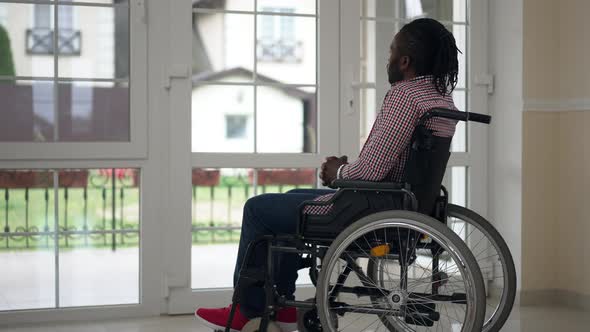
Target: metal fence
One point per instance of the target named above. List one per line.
(216, 227)
(92, 208)
(97, 209)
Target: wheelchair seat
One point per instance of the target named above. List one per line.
(425, 167)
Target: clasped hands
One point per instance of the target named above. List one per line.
(329, 169)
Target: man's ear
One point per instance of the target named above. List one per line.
(404, 63)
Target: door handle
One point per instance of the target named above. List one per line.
(177, 71)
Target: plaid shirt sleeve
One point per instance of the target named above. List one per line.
(388, 139)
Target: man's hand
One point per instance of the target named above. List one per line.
(329, 169)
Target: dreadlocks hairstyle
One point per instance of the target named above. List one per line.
(432, 51)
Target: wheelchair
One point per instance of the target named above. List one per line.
(393, 256)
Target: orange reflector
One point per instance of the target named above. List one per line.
(380, 251)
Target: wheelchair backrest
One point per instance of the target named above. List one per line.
(426, 166)
(428, 157)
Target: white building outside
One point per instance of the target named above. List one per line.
(223, 117)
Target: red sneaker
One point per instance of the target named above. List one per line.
(217, 318)
(287, 319)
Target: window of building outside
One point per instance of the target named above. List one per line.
(235, 126)
(278, 42)
(41, 36)
(43, 16)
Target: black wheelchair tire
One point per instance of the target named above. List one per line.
(418, 219)
(499, 319)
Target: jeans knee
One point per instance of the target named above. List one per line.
(297, 191)
(253, 204)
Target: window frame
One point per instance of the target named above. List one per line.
(136, 147)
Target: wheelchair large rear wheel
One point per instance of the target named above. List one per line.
(387, 271)
(494, 259)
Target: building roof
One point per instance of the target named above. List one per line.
(240, 71)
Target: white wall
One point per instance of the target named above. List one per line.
(505, 135)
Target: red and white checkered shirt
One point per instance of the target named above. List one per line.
(384, 154)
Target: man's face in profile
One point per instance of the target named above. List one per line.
(394, 71)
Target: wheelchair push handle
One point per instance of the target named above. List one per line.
(460, 116)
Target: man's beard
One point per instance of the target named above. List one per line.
(394, 74)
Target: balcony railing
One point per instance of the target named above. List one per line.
(281, 50)
(218, 201)
(99, 211)
(40, 41)
(85, 217)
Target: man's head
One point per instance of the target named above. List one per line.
(425, 47)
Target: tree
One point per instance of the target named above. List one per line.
(6, 63)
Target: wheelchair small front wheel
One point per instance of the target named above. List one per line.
(307, 319)
(385, 271)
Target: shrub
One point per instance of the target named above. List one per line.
(6, 63)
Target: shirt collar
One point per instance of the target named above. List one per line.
(423, 78)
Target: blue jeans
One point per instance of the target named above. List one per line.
(271, 214)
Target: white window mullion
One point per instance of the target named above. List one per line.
(348, 47)
(56, 233)
(55, 73)
(255, 77)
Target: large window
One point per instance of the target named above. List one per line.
(65, 226)
(65, 78)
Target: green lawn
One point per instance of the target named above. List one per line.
(212, 206)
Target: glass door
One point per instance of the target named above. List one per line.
(267, 90)
(74, 165)
(263, 114)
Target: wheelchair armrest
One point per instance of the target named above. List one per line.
(459, 116)
(366, 185)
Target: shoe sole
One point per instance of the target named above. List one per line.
(215, 327)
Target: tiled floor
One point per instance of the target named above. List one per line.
(529, 319)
